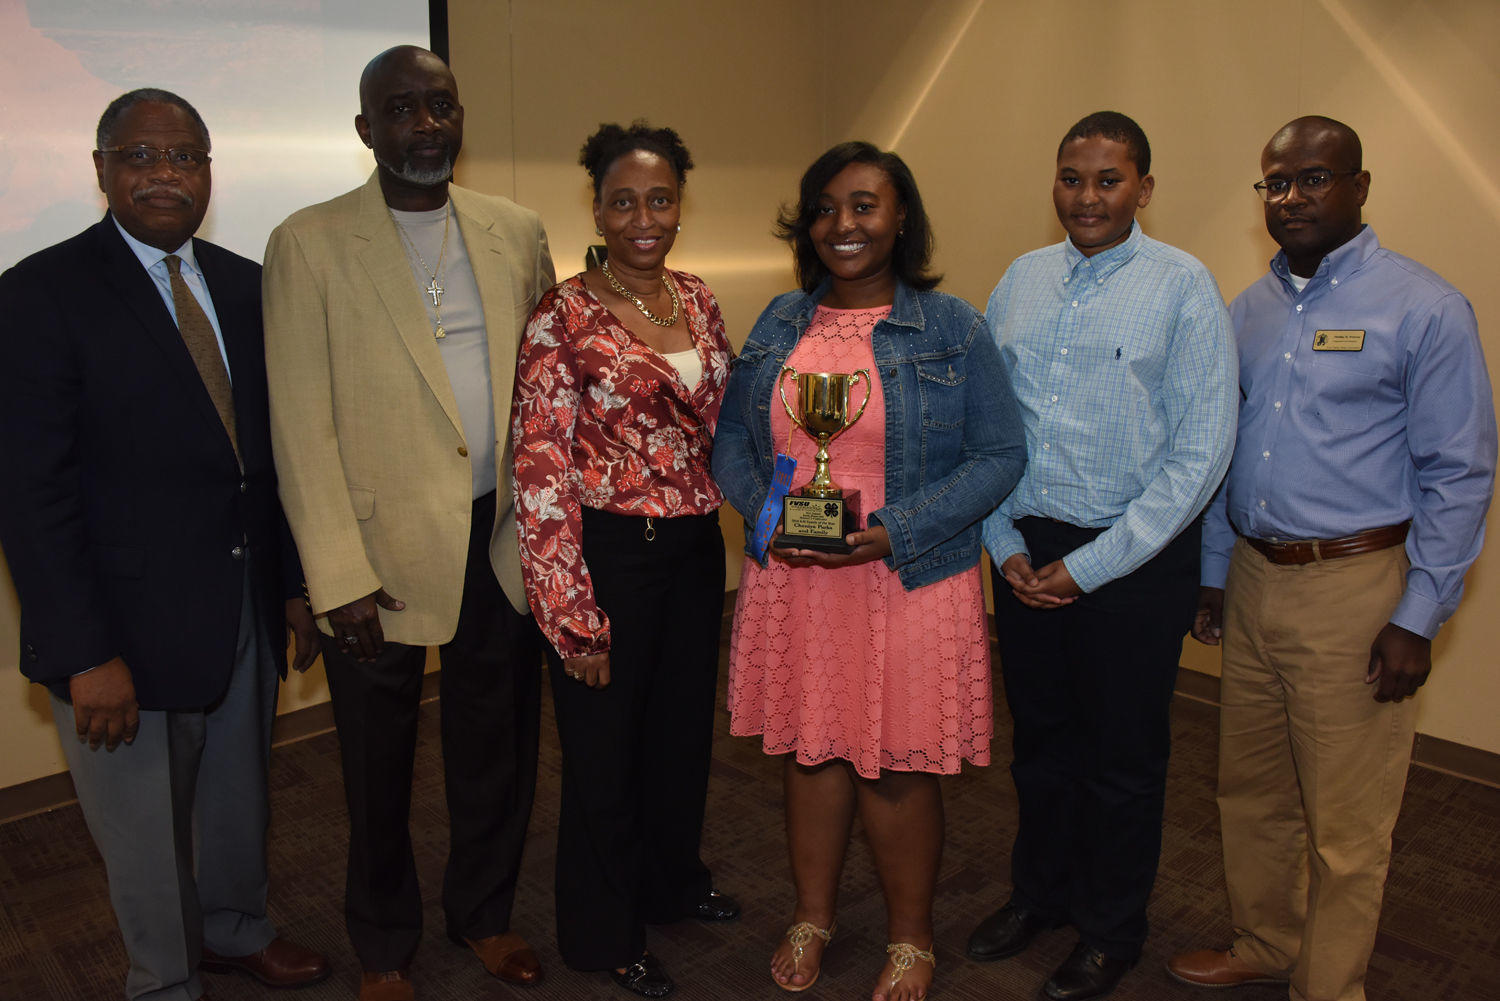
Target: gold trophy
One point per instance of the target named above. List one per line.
(819, 514)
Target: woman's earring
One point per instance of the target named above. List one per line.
(598, 230)
(679, 227)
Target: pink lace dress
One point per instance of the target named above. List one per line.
(847, 663)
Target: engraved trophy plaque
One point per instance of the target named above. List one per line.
(818, 514)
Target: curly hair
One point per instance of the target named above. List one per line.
(612, 141)
(912, 255)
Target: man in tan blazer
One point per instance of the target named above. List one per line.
(393, 316)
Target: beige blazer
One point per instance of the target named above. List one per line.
(370, 451)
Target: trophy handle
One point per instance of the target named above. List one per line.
(781, 389)
(861, 412)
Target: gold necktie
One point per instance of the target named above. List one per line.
(198, 335)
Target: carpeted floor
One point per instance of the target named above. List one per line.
(1439, 939)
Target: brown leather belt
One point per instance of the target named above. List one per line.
(1312, 550)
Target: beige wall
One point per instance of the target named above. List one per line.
(975, 94)
(742, 84)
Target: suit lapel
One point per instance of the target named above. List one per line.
(385, 262)
(490, 257)
(122, 271)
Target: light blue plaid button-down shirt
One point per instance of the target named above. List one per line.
(1124, 365)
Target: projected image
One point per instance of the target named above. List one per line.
(276, 81)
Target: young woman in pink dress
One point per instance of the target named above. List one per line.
(869, 671)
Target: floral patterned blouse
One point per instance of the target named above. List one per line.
(602, 420)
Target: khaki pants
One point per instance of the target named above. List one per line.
(1311, 767)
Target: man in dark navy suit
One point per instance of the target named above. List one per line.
(138, 513)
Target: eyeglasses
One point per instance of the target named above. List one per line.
(1311, 183)
(141, 157)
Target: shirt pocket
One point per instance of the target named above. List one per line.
(1343, 391)
(941, 385)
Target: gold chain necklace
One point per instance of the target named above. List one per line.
(666, 283)
(434, 287)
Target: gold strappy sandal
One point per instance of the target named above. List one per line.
(799, 935)
(903, 956)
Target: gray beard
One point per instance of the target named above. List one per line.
(430, 178)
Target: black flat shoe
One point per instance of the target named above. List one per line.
(645, 977)
(1006, 933)
(1086, 973)
(716, 907)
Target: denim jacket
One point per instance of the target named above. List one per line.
(954, 444)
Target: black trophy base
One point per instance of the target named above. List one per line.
(818, 523)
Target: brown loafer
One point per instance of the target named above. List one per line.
(1216, 968)
(508, 957)
(385, 985)
(282, 963)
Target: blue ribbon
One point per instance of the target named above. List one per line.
(770, 511)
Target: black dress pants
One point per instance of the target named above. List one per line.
(636, 752)
(1090, 689)
(490, 692)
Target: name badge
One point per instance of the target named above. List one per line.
(1339, 340)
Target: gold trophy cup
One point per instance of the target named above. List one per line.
(818, 514)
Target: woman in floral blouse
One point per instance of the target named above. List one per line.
(618, 387)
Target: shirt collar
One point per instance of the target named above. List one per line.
(1106, 262)
(1338, 265)
(150, 256)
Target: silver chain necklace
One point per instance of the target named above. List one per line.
(434, 286)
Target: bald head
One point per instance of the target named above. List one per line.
(1324, 189)
(1327, 133)
(397, 59)
(409, 116)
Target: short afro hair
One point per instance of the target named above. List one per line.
(612, 141)
(1115, 126)
(104, 135)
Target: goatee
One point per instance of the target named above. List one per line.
(429, 177)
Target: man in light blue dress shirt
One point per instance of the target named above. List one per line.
(1122, 356)
(1353, 508)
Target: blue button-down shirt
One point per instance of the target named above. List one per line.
(1333, 442)
(1124, 367)
(155, 263)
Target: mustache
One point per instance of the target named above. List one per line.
(162, 191)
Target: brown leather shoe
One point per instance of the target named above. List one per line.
(1216, 968)
(508, 957)
(283, 963)
(385, 985)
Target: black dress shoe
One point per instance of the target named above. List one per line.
(645, 977)
(1086, 973)
(716, 907)
(1006, 933)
